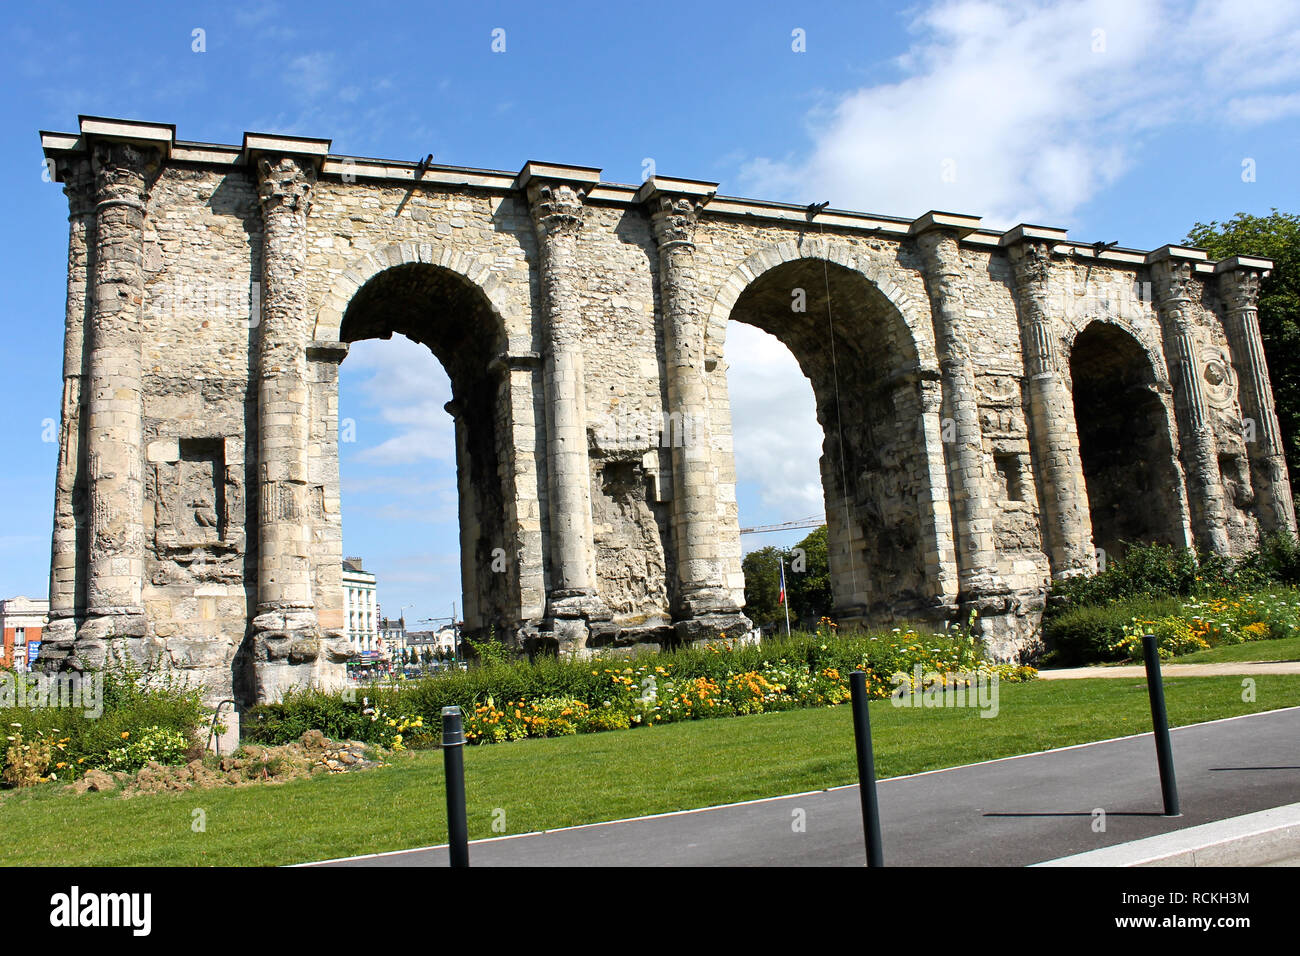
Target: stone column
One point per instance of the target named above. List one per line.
(1174, 286)
(471, 611)
(1066, 523)
(288, 646)
(936, 509)
(67, 597)
(518, 372)
(572, 599)
(114, 403)
(968, 479)
(703, 600)
(1239, 282)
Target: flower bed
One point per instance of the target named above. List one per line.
(512, 701)
(1215, 622)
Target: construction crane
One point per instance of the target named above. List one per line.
(816, 521)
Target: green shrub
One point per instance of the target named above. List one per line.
(1092, 634)
(1276, 560)
(137, 699)
(1153, 570)
(1157, 570)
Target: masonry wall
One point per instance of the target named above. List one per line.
(201, 260)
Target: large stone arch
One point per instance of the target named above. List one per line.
(891, 551)
(380, 294)
(1128, 438)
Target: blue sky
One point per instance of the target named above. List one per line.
(1121, 121)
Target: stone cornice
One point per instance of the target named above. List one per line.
(1176, 254)
(1244, 264)
(271, 144)
(596, 192)
(577, 177)
(658, 186)
(956, 223)
(1026, 233)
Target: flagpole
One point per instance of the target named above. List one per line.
(784, 597)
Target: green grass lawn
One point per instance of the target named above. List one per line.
(1282, 649)
(542, 784)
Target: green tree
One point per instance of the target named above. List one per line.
(807, 582)
(808, 578)
(763, 585)
(1276, 236)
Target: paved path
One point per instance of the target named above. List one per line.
(1008, 812)
(1176, 670)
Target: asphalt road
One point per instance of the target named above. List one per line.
(1009, 812)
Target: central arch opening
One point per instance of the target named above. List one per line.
(855, 350)
(1127, 454)
(453, 319)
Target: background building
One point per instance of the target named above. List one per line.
(22, 620)
(441, 642)
(360, 607)
(393, 634)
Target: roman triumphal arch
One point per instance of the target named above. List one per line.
(999, 408)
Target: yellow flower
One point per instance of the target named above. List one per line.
(125, 734)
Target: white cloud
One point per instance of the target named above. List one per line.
(310, 75)
(403, 388)
(1033, 109)
(777, 439)
(1032, 122)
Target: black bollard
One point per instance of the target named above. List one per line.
(866, 768)
(1160, 724)
(453, 758)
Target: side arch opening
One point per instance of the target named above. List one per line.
(876, 474)
(454, 319)
(1125, 445)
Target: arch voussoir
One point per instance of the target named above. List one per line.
(334, 303)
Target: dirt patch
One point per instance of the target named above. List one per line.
(312, 754)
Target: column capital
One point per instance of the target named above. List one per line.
(286, 168)
(1240, 278)
(284, 182)
(1239, 289)
(556, 194)
(123, 172)
(675, 206)
(1172, 271)
(78, 180)
(1029, 249)
(938, 236)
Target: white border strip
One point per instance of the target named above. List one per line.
(1246, 840)
(787, 796)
